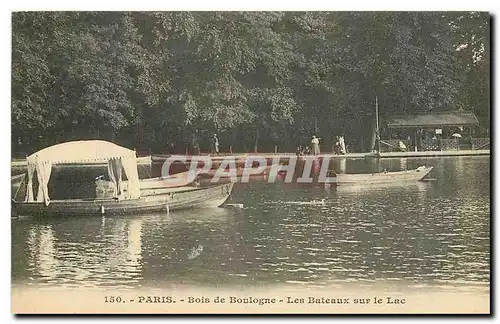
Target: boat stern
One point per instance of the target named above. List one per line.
(423, 171)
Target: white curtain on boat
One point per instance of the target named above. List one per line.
(29, 189)
(119, 159)
(115, 175)
(43, 171)
(130, 168)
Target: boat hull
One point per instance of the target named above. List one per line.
(178, 198)
(382, 177)
(148, 187)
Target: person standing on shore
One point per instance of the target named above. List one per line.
(342, 149)
(315, 145)
(215, 145)
(336, 145)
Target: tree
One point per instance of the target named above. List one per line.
(472, 45)
(168, 80)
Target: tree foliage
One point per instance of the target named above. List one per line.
(168, 80)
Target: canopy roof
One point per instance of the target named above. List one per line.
(433, 120)
(80, 152)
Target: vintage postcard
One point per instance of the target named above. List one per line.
(192, 162)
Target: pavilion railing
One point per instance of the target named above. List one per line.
(430, 145)
(449, 144)
(392, 145)
(480, 143)
(443, 144)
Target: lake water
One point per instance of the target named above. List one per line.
(430, 234)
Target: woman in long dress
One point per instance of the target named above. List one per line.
(215, 145)
(315, 145)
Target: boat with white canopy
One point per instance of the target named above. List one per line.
(126, 196)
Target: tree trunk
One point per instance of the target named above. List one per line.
(196, 142)
(257, 137)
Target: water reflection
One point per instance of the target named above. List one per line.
(342, 165)
(429, 233)
(134, 242)
(121, 251)
(85, 252)
(403, 164)
(43, 253)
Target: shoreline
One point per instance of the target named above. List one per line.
(161, 157)
(158, 157)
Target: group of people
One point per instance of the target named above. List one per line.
(309, 149)
(338, 147)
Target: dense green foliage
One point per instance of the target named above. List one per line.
(169, 80)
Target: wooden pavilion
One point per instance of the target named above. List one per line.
(433, 132)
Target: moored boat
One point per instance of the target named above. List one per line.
(237, 175)
(130, 196)
(175, 199)
(417, 174)
(149, 186)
